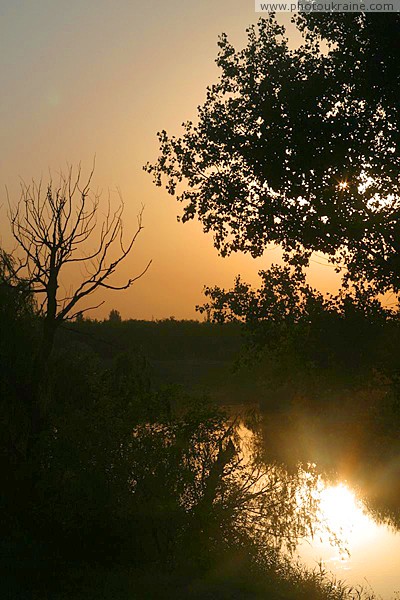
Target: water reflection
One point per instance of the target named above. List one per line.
(347, 542)
(344, 515)
(372, 555)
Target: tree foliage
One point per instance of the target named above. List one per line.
(299, 147)
(114, 316)
(19, 337)
(304, 344)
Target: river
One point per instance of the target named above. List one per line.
(369, 553)
(373, 557)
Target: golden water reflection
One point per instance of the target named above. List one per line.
(365, 554)
(344, 515)
(372, 556)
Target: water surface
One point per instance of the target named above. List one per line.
(372, 555)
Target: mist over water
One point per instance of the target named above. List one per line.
(371, 554)
(348, 543)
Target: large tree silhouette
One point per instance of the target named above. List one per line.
(57, 227)
(299, 147)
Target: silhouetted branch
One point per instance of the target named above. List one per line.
(51, 227)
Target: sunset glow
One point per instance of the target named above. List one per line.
(103, 85)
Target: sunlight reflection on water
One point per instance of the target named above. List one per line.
(369, 554)
(373, 558)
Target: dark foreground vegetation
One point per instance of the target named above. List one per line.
(138, 489)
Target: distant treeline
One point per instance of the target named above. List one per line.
(165, 339)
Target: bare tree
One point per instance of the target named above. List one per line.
(54, 227)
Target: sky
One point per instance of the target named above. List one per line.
(92, 78)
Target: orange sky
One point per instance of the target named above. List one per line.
(87, 78)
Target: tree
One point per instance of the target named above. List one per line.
(298, 333)
(16, 297)
(299, 147)
(53, 227)
(18, 339)
(114, 316)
